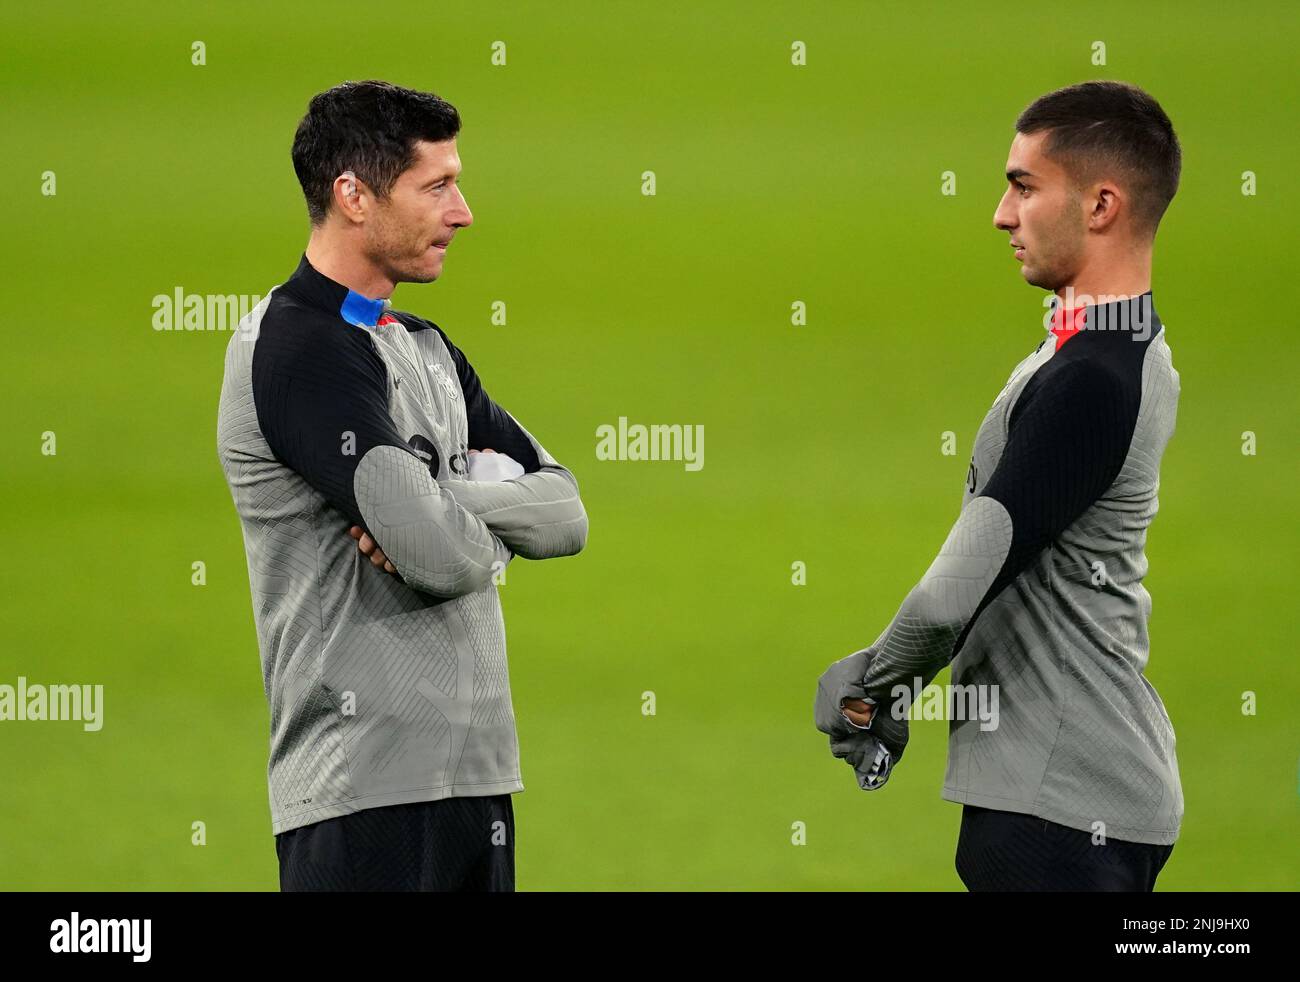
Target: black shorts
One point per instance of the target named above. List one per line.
(1000, 850)
(449, 845)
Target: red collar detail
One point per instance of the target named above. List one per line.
(1067, 323)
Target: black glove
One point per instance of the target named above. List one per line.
(871, 750)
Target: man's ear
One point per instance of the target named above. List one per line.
(1107, 203)
(351, 197)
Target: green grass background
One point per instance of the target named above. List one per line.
(775, 183)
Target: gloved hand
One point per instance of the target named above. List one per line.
(871, 750)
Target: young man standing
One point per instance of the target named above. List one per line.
(1038, 589)
(348, 432)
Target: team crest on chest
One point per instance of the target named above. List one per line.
(443, 379)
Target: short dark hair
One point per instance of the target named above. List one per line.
(369, 128)
(1097, 127)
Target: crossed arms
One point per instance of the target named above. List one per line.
(322, 404)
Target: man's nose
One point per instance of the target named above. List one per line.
(460, 215)
(1004, 216)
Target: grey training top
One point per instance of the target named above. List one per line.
(337, 410)
(1038, 588)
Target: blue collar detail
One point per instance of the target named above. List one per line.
(361, 311)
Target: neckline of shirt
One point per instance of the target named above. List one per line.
(321, 291)
(1066, 322)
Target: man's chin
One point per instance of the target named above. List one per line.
(421, 273)
(1038, 278)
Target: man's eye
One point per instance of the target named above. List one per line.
(1021, 188)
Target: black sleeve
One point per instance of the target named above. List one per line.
(1066, 443)
(1067, 440)
(321, 394)
(489, 424)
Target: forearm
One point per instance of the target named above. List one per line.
(438, 546)
(924, 634)
(538, 515)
